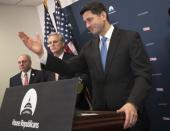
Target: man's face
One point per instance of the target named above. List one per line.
(94, 23)
(24, 63)
(55, 44)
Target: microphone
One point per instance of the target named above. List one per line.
(169, 11)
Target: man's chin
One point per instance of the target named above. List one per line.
(24, 70)
(95, 32)
(21, 70)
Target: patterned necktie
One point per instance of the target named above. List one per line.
(103, 51)
(25, 79)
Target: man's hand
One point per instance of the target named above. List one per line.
(131, 115)
(35, 45)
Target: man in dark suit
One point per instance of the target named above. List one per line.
(117, 62)
(32, 75)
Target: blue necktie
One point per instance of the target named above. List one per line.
(103, 51)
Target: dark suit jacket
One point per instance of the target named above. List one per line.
(37, 76)
(127, 77)
(66, 56)
(81, 101)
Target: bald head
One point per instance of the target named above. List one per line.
(24, 62)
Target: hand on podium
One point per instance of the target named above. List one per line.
(131, 115)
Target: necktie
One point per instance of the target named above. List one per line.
(25, 79)
(103, 51)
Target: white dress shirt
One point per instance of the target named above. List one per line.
(56, 74)
(108, 35)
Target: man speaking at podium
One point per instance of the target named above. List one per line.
(118, 66)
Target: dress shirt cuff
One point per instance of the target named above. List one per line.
(43, 58)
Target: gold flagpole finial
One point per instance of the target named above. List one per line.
(45, 2)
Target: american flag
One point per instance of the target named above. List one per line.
(64, 27)
(48, 27)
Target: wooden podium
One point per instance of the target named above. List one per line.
(98, 121)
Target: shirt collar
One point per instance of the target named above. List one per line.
(108, 34)
(61, 55)
(28, 73)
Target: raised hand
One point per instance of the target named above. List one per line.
(33, 44)
(131, 115)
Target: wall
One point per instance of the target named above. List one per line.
(12, 20)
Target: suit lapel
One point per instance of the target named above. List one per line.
(114, 42)
(19, 81)
(112, 49)
(32, 76)
(97, 54)
(65, 56)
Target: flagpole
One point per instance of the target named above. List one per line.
(48, 25)
(59, 2)
(45, 2)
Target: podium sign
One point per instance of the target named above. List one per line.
(47, 106)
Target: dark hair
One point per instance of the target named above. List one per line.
(95, 7)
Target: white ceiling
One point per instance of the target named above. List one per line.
(21, 2)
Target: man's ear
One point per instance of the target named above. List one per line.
(103, 15)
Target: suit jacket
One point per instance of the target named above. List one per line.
(66, 56)
(36, 76)
(81, 101)
(127, 77)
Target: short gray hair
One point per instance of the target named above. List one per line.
(28, 56)
(57, 34)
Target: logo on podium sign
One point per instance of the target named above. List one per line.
(28, 107)
(29, 103)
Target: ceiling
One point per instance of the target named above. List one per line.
(21, 2)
